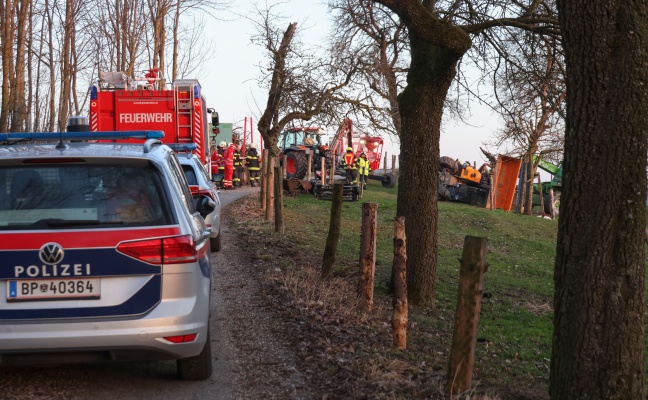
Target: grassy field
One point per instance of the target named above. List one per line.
(514, 341)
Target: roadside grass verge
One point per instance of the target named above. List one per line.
(514, 339)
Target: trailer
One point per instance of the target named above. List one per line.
(179, 109)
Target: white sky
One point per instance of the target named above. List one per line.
(231, 88)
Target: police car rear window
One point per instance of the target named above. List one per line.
(63, 196)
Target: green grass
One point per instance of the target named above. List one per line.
(516, 322)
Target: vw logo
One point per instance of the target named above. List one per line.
(51, 253)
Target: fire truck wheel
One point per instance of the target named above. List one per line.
(215, 243)
(389, 181)
(296, 165)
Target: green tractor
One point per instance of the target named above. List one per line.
(555, 183)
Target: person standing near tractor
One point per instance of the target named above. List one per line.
(253, 166)
(229, 166)
(239, 160)
(349, 164)
(363, 170)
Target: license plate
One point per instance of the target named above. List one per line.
(53, 289)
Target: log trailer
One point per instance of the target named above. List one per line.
(122, 103)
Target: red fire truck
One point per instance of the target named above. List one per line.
(121, 103)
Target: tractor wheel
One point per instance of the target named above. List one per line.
(389, 181)
(556, 205)
(296, 165)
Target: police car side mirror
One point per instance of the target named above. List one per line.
(205, 205)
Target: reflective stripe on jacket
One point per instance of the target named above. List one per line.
(349, 161)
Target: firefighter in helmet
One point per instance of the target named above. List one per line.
(239, 161)
(363, 169)
(350, 166)
(221, 157)
(253, 166)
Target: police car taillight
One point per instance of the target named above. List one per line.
(169, 250)
(182, 338)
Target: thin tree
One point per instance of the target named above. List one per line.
(300, 86)
(440, 36)
(598, 339)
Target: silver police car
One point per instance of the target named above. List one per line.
(104, 254)
(201, 185)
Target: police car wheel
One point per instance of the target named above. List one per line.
(198, 367)
(215, 243)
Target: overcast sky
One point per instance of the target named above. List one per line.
(231, 88)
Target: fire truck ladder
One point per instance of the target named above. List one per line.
(183, 100)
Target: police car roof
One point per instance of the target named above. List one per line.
(82, 149)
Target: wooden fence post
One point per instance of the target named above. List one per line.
(385, 164)
(278, 200)
(323, 171)
(264, 187)
(464, 338)
(367, 256)
(270, 188)
(393, 169)
(399, 315)
(328, 262)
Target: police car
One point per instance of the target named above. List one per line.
(104, 254)
(200, 185)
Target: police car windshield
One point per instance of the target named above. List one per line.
(72, 195)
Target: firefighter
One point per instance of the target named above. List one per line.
(363, 169)
(349, 164)
(215, 160)
(253, 166)
(229, 166)
(239, 161)
(222, 146)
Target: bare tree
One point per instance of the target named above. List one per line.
(530, 90)
(300, 85)
(440, 34)
(371, 40)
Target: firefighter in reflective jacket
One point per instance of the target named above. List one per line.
(222, 146)
(239, 160)
(363, 169)
(349, 164)
(253, 166)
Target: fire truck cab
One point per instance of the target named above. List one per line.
(121, 103)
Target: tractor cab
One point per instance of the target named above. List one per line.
(300, 138)
(296, 144)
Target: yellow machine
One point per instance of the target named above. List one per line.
(470, 174)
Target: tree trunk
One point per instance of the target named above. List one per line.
(421, 104)
(8, 70)
(600, 266)
(328, 261)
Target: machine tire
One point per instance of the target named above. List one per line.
(547, 208)
(198, 367)
(296, 165)
(215, 243)
(388, 181)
